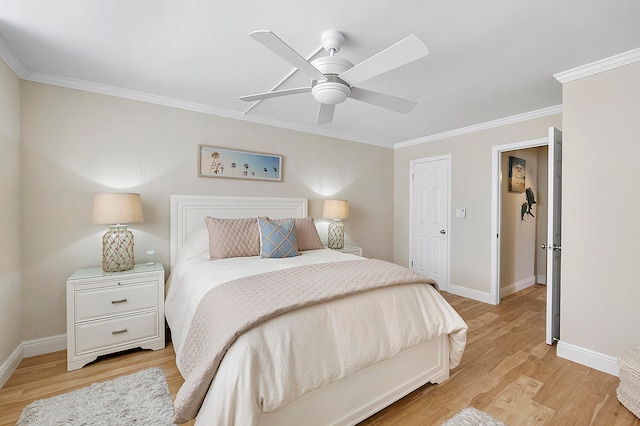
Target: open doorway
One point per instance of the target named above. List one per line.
(499, 181)
(553, 245)
(523, 227)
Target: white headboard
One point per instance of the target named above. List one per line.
(188, 213)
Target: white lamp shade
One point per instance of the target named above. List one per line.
(110, 209)
(335, 209)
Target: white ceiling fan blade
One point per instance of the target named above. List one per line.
(405, 51)
(382, 100)
(282, 49)
(275, 94)
(325, 113)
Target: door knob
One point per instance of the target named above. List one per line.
(442, 231)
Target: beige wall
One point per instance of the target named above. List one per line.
(600, 302)
(78, 143)
(10, 242)
(470, 188)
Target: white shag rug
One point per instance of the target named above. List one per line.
(140, 399)
(472, 417)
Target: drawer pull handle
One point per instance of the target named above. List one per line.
(124, 330)
(113, 302)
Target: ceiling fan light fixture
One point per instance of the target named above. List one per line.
(331, 93)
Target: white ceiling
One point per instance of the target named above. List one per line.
(488, 59)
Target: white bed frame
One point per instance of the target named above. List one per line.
(353, 398)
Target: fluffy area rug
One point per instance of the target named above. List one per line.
(472, 417)
(141, 398)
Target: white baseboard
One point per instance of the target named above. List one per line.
(9, 366)
(469, 293)
(28, 349)
(515, 287)
(541, 279)
(45, 345)
(592, 359)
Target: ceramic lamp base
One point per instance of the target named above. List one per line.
(335, 238)
(117, 250)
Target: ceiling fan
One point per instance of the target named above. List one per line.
(333, 78)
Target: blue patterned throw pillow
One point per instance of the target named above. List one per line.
(277, 239)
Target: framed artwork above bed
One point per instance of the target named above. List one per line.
(216, 162)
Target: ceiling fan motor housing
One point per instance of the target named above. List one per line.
(333, 90)
(332, 65)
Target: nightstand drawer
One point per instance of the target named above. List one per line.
(113, 332)
(119, 299)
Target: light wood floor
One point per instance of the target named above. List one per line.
(506, 370)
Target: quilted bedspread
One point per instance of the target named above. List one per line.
(228, 310)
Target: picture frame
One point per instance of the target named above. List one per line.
(517, 174)
(218, 162)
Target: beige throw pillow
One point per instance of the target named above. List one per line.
(306, 233)
(233, 237)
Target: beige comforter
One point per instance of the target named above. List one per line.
(228, 310)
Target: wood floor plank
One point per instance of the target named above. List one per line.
(530, 413)
(506, 370)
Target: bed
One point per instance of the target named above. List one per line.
(335, 362)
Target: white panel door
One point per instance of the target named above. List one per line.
(554, 242)
(429, 218)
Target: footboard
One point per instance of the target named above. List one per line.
(357, 397)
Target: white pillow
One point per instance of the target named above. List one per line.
(197, 245)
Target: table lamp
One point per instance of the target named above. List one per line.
(116, 210)
(336, 210)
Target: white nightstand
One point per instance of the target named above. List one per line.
(351, 250)
(109, 312)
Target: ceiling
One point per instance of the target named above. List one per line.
(488, 59)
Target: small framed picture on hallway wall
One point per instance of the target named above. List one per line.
(517, 171)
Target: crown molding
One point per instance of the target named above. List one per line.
(544, 112)
(599, 66)
(11, 59)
